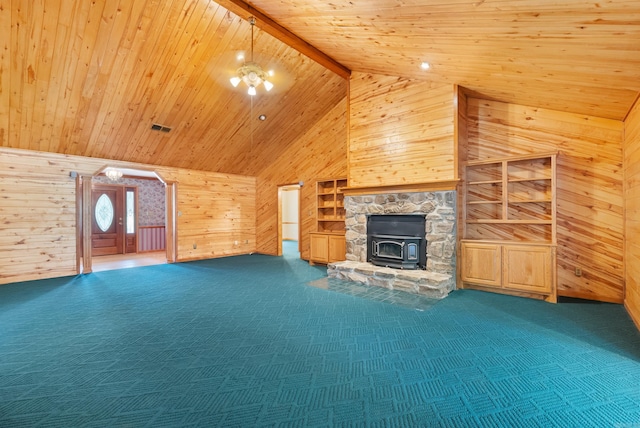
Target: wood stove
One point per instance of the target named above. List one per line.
(397, 241)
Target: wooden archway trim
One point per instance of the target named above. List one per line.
(84, 219)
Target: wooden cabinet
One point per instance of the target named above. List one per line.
(337, 248)
(509, 225)
(526, 268)
(482, 263)
(319, 247)
(328, 243)
(327, 247)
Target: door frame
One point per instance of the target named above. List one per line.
(84, 212)
(119, 209)
(285, 188)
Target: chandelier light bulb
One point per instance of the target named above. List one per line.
(235, 81)
(252, 90)
(268, 85)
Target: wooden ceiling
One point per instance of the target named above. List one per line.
(581, 56)
(90, 78)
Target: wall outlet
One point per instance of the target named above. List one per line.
(246, 241)
(235, 242)
(195, 245)
(578, 271)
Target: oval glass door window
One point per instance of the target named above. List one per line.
(104, 212)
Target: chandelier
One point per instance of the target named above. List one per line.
(113, 174)
(251, 73)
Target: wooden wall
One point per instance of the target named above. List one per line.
(589, 179)
(320, 153)
(401, 131)
(216, 214)
(632, 212)
(38, 212)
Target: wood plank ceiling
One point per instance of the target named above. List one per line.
(90, 77)
(581, 56)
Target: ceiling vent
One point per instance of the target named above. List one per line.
(157, 127)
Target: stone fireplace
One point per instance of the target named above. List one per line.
(439, 211)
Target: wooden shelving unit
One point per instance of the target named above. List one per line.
(328, 243)
(509, 230)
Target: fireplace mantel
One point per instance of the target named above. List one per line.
(432, 186)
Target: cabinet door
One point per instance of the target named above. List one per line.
(528, 268)
(481, 263)
(319, 248)
(337, 248)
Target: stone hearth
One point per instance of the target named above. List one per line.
(429, 284)
(440, 231)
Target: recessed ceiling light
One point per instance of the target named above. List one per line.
(240, 56)
(262, 117)
(271, 73)
(425, 66)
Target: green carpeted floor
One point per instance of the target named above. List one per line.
(245, 341)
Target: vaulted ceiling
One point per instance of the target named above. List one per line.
(91, 77)
(581, 56)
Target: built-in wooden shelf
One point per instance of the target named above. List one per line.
(500, 221)
(328, 243)
(513, 201)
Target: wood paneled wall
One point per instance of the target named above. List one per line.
(37, 216)
(632, 212)
(216, 215)
(589, 179)
(401, 131)
(320, 153)
(38, 212)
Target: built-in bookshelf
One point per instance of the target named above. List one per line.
(328, 243)
(509, 231)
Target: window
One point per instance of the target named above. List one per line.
(104, 212)
(131, 211)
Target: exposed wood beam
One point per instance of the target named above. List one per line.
(633, 104)
(276, 30)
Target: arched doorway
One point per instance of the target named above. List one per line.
(114, 226)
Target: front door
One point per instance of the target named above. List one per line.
(107, 223)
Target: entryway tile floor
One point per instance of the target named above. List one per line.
(379, 294)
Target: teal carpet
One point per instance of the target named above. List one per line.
(245, 341)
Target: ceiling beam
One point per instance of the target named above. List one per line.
(276, 30)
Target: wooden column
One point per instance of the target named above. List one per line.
(79, 228)
(86, 224)
(171, 229)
